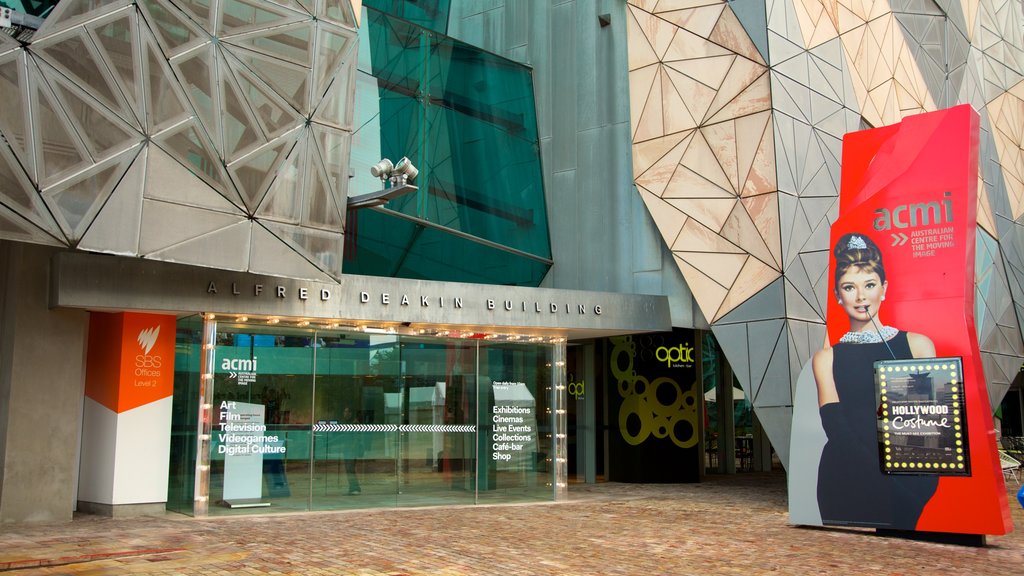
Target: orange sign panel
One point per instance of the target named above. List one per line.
(131, 359)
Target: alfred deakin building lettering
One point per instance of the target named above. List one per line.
(302, 293)
(80, 280)
(258, 290)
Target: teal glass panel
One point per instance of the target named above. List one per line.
(41, 8)
(432, 15)
(483, 85)
(466, 118)
(395, 50)
(356, 421)
(184, 411)
(516, 448)
(382, 244)
(488, 183)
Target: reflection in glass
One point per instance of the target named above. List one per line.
(172, 26)
(184, 407)
(74, 202)
(262, 415)
(356, 437)
(163, 107)
(438, 404)
(516, 447)
(433, 95)
(75, 58)
(116, 38)
(196, 76)
(58, 148)
(14, 119)
(100, 129)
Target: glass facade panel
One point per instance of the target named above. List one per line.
(13, 119)
(60, 150)
(356, 432)
(430, 15)
(198, 80)
(304, 419)
(516, 443)
(184, 407)
(405, 248)
(480, 84)
(175, 32)
(337, 12)
(336, 47)
(75, 58)
(262, 418)
(41, 7)
(162, 105)
(116, 38)
(439, 406)
(490, 188)
(99, 129)
(466, 119)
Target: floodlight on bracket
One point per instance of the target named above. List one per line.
(395, 179)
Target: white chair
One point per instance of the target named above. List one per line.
(1010, 465)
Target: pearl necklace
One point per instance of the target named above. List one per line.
(887, 333)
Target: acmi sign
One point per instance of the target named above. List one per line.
(914, 215)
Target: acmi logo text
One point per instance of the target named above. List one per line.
(914, 215)
(238, 364)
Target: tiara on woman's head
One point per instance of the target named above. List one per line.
(856, 243)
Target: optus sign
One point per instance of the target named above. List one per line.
(675, 356)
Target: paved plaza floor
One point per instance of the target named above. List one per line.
(726, 525)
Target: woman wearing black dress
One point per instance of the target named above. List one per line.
(852, 489)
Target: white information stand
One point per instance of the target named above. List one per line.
(240, 438)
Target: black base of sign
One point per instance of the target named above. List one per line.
(975, 540)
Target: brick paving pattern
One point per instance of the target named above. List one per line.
(727, 525)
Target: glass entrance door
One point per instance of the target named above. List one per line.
(355, 430)
(438, 409)
(262, 414)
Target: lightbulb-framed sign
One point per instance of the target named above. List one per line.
(922, 418)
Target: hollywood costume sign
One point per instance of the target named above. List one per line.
(884, 436)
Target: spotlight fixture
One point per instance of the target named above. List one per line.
(395, 178)
(398, 173)
(382, 169)
(404, 170)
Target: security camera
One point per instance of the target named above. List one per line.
(382, 169)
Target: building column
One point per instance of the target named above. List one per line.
(126, 428)
(586, 419)
(726, 420)
(41, 375)
(762, 447)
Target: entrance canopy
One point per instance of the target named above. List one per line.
(113, 283)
